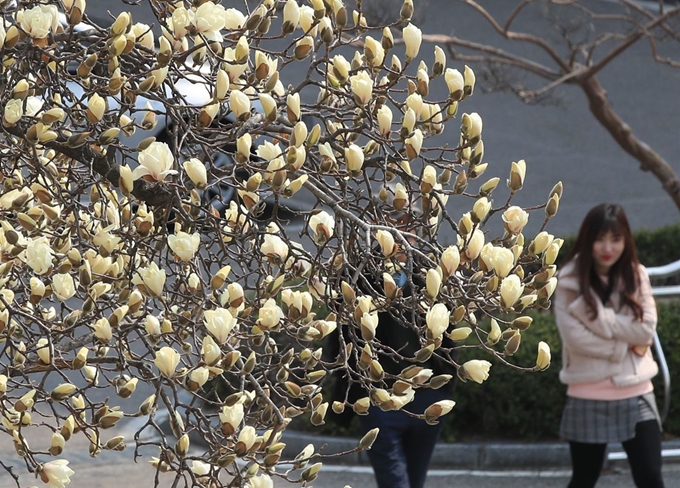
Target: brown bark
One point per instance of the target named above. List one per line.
(622, 133)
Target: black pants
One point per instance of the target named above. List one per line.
(644, 457)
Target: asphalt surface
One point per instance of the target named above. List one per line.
(116, 469)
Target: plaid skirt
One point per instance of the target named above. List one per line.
(602, 422)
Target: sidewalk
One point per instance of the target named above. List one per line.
(115, 469)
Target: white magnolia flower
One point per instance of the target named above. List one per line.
(232, 415)
(219, 322)
(209, 18)
(166, 361)
(155, 161)
(514, 219)
(143, 35)
(63, 286)
(322, 225)
(477, 370)
(39, 21)
(269, 315)
(56, 473)
(274, 248)
(14, 110)
(437, 319)
(511, 290)
(39, 255)
(184, 245)
(152, 278)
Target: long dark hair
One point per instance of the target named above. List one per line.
(607, 217)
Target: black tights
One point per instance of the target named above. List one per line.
(644, 457)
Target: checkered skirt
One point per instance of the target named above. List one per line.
(601, 422)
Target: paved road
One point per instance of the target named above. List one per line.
(116, 469)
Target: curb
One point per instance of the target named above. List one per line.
(469, 456)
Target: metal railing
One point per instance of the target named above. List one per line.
(672, 291)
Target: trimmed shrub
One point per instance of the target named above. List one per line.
(512, 405)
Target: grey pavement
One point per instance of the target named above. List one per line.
(455, 465)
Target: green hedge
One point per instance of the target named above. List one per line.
(512, 405)
(519, 406)
(528, 406)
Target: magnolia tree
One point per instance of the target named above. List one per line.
(160, 275)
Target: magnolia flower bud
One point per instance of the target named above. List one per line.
(322, 225)
(406, 10)
(481, 209)
(43, 349)
(494, 334)
(386, 242)
(517, 172)
(374, 52)
(362, 87)
(291, 16)
(550, 254)
(449, 261)
(384, 114)
(459, 333)
(303, 47)
(96, 106)
(439, 409)
(471, 127)
(423, 83)
(412, 39)
(197, 172)
(476, 370)
(166, 361)
(433, 282)
(511, 290)
(57, 444)
(198, 378)
(543, 356)
(121, 24)
(269, 106)
(208, 114)
(354, 157)
(243, 146)
(469, 81)
(514, 219)
(62, 391)
(439, 62)
(239, 103)
(437, 320)
(293, 107)
(552, 206)
(128, 388)
(413, 144)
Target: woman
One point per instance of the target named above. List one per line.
(606, 317)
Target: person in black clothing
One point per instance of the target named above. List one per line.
(401, 454)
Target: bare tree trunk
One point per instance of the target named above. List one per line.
(622, 133)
